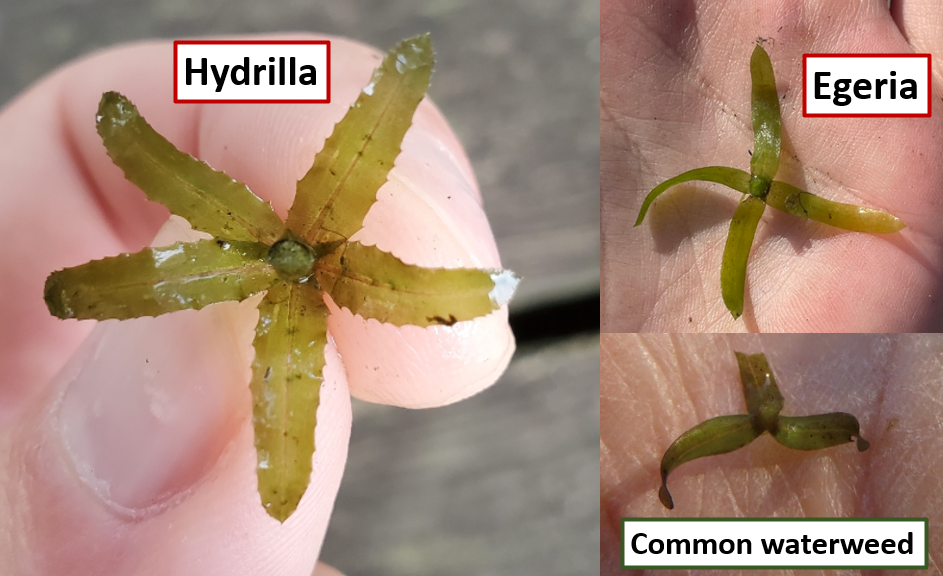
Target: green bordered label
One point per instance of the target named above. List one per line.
(769, 543)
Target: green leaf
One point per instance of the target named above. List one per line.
(792, 200)
(766, 123)
(154, 281)
(733, 266)
(732, 177)
(820, 431)
(336, 193)
(211, 201)
(711, 437)
(286, 385)
(376, 284)
(764, 401)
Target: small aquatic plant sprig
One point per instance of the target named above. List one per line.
(764, 402)
(761, 190)
(294, 263)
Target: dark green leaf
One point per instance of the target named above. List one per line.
(764, 401)
(711, 437)
(821, 431)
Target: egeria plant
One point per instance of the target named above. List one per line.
(761, 190)
(294, 262)
(764, 402)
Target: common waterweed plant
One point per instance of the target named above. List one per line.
(761, 190)
(764, 402)
(293, 262)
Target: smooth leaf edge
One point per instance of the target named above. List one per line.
(727, 433)
(737, 248)
(734, 178)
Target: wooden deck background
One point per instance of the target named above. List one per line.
(506, 482)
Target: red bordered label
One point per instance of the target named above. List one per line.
(252, 71)
(866, 85)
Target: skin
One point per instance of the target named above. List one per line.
(653, 388)
(128, 445)
(761, 189)
(764, 402)
(675, 95)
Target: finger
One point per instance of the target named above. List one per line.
(145, 444)
(323, 569)
(429, 213)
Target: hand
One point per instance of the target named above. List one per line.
(676, 96)
(127, 446)
(653, 388)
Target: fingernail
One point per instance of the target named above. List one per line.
(148, 410)
(150, 403)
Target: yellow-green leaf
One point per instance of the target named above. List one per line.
(376, 284)
(733, 266)
(736, 179)
(336, 193)
(766, 123)
(792, 200)
(156, 281)
(286, 384)
(211, 201)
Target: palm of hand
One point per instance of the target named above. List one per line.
(687, 108)
(655, 387)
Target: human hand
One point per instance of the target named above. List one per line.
(127, 446)
(676, 96)
(653, 388)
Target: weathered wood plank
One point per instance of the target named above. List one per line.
(506, 482)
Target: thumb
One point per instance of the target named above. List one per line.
(142, 459)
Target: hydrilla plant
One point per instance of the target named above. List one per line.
(761, 190)
(293, 262)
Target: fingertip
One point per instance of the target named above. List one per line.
(322, 569)
(417, 367)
